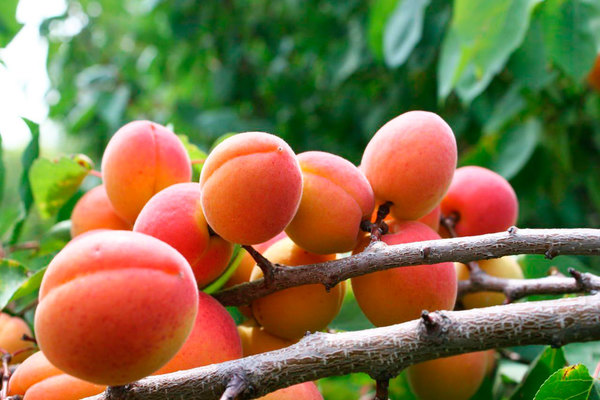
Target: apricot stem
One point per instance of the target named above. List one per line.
(234, 388)
(381, 389)
(6, 357)
(265, 265)
(449, 222)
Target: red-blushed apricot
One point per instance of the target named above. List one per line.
(482, 201)
(410, 162)
(115, 306)
(214, 339)
(174, 215)
(301, 391)
(449, 378)
(94, 211)
(400, 294)
(504, 267)
(336, 197)
(432, 220)
(37, 379)
(290, 313)
(594, 75)
(256, 340)
(12, 330)
(251, 187)
(141, 159)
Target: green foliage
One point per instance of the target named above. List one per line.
(545, 365)
(8, 21)
(13, 276)
(573, 383)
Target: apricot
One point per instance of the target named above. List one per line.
(141, 159)
(301, 391)
(503, 267)
(432, 220)
(290, 313)
(410, 161)
(256, 340)
(94, 211)
(482, 201)
(214, 339)
(449, 378)
(12, 330)
(400, 294)
(37, 379)
(251, 187)
(594, 75)
(115, 306)
(336, 197)
(174, 215)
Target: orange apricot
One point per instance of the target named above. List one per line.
(432, 220)
(400, 294)
(290, 313)
(141, 159)
(336, 197)
(115, 306)
(251, 187)
(301, 391)
(94, 211)
(410, 162)
(12, 330)
(256, 340)
(174, 215)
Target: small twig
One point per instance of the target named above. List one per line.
(32, 245)
(95, 173)
(449, 222)
(6, 357)
(235, 387)
(265, 265)
(597, 371)
(379, 227)
(381, 389)
(27, 338)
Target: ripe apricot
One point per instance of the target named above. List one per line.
(290, 313)
(37, 379)
(141, 159)
(410, 161)
(94, 211)
(301, 391)
(251, 187)
(174, 215)
(256, 340)
(482, 201)
(432, 220)
(214, 339)
(503, 267)
(336, 197)
(449, 378)
(400, 294)
(115, 306)
(12, 330)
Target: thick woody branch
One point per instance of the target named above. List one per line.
(551, 242)
(381, 352)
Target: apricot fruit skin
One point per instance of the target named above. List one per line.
(95, 211)
(115, 306)
(290, 313)
(141, 159)
(483, 201)
(400, 294)
(410, 161)
(174, 215)
(449, 378)
(214, 339)
(12, 330)
(594, 75)
(251, 187)
(256, 340)
(336, 197)
(503, 267)
(301, 391)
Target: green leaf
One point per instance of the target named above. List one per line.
(509, 105)
(2, 171)
(482, 36)
(221, 138)
(30, 286)
(587, 353)
(56, 237)
(378, 16)
(516, 147)
(54, 182)
(573, 383)
(8, 21)
(196, 155)
(545, 365)
(12, 276)
(345, 387)
(236, 258)
(350, 317)
(403, 31)
(569, 35)
(538, 266)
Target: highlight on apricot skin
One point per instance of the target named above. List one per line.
(410, 162)
(214, 339)
(37, 379)
(251, 187)
(336, 197)
(290, 313)
(481, 200)
(301, 391)
(141, 159)
(94, 211)
(12, 330)
(115, 306)
(503, 267)
(256, 340)
(400, 294)
(174, 215)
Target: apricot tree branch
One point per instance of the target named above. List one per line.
(381, 352)
(266, 266)
(380, 256)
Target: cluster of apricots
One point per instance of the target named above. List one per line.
(123, 299)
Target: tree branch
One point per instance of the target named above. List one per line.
(378, 256)
(381, 352)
